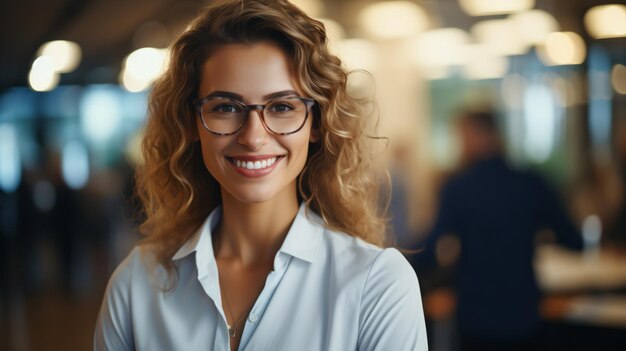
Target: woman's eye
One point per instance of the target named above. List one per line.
(280, 107)
(226, 108)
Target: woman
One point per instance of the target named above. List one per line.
(259, 202)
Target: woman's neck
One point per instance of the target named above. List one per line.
(252, 233)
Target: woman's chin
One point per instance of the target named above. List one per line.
(257, 195)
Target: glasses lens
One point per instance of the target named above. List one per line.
(285, 115)
(223, 115)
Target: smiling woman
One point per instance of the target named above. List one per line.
(262, 227)
(254, 73)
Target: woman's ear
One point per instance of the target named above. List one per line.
(315, 135)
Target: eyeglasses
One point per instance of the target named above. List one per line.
(225, 116)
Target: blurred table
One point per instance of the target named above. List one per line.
(585, 298)
(584, 301)
(563, 271)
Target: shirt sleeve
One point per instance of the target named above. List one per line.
(554, 216)
(391, 316)
(113, 327)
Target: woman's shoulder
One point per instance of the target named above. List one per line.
(137, 259)
(386, 285)
(139, 264)
(347, 246)
(371, 258)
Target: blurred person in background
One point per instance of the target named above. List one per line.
(262, 222)
(495, 212)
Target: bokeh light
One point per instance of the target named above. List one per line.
(533, 26)
(142, 67)
(75, 164)
(65, 54)
(494, 7)
(500, 36)
(393, 19)
(100, 112)
(606, 21)
(10, 166)
(562, 48)
(618, 78)
(43, 75)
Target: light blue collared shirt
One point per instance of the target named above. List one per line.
(327, 291)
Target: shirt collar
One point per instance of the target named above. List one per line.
(301, 241)
(304, 235)
(201, 241)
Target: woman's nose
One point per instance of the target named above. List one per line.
(253, 134)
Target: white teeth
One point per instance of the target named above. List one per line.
(256, 164)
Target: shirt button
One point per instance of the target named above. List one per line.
(253, 318)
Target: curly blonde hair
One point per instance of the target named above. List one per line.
(337, 182)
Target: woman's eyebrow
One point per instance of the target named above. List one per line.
(225, 94)
(280, 94)
(235, 96)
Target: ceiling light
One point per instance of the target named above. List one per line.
(393, 19)
(533, 26)
(439, 47)
(43, 75)
(65, 54)
(494, 7)
(562, 48)
(500, 36)
(142, 67)
(146, 62)
(606, 21)
(132, 83)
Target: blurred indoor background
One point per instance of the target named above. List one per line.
(76, 74)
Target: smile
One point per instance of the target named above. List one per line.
(258, 164)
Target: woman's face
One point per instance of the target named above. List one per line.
(250, 74)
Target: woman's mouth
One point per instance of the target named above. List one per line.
(258, 164)
(254, 166)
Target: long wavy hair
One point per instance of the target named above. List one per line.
(338, 182)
